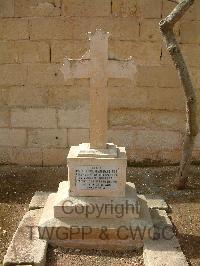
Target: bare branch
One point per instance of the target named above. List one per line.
(166, 27)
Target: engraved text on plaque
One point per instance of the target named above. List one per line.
(96, 177)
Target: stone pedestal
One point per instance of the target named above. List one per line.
(95, 172)
(96, 208)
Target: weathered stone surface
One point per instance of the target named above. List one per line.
(161, 219)
(123, 137)
(195, 72)
(24, 52)
(152, 120)
(76, 136)
(156, 202)
(191, 54)
(157, 76)
(3, 96)
(169, 99)
(144, 156)
(54, 138)
(102, 160)
(38, 200)
(164, 249)
(150, 30)
(26, 247)
(14, 29)
(121, 28)
(73, 117)
(96, 207)
(26, 156)
(27, 96)
(197, 142)
(70, 48)
(50, 28)
(13, 74)
(86, 8)
(54, 156)
(148, 10)
(61, 234)
(152, 139)
(122, 8)
(46, 75)
(163, 252)
(4, 118)
(68, 97)
(34, 118)
(37, 8)
(99, 244)
(147, 53)
(12, 137)
(6, 8)
(187, 35)
(110, 151)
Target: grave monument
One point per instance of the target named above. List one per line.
(96, 207)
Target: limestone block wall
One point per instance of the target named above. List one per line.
(41, 116)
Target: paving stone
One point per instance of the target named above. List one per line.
(164, 250)
(163, 227)
(160, 218)
(38, 200)
(156, 202)
(163, 253)
(26, 248)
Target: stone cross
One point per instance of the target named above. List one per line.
(96, 65)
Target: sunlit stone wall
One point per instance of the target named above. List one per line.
(41, 116)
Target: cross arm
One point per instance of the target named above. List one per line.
(121, 68)
(78, 68)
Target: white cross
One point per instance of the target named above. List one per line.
(96, 65)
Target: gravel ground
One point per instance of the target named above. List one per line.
(18, 184)
(76, 257)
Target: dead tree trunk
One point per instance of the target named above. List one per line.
(166, 27)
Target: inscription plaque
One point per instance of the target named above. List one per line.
(96, 177)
